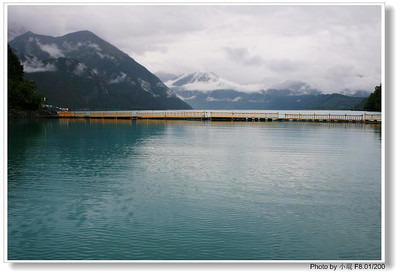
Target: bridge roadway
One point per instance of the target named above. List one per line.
(226, 116)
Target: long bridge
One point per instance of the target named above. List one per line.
(226, 116)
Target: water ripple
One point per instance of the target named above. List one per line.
(193, 190)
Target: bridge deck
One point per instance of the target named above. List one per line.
(226, 115)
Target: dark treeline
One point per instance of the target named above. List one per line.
(373, 103)
(23, 96)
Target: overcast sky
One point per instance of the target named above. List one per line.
(329, 47)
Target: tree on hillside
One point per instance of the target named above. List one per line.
(22, 94)
(373, 102)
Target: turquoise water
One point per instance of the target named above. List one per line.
(192, 190)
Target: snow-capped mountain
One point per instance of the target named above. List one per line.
(208, 81)
(82, 71)
(209, 91)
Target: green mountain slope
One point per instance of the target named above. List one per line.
(82, 71)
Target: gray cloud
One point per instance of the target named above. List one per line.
(340, 71)
(283, 65)
(243, 56)
(324, 45)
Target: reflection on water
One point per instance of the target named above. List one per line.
(111, 121)
(122, 189)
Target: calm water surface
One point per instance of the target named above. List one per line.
(93, 189)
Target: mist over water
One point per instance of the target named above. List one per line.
(192, 190)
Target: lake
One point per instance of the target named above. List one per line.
(193, 190)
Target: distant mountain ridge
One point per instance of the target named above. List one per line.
(82, 71)
(206, 90)
(271, 99)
